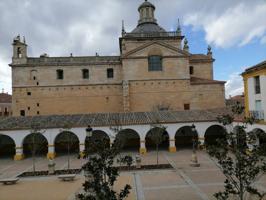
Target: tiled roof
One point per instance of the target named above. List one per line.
(259, 66)
(109, 119)
(201, 81)
(5, 98)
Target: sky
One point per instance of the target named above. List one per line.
(235, 29)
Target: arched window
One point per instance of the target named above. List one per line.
(85, 74)
(155, 63)
(19, 54)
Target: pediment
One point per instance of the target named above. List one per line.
(156, 48)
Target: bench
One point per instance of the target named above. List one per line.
(9, 181)
(67, 177)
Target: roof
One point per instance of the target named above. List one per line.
(259, 66)
(201, 81)
(109, 119)
(73, 60)
(5, 98)
(148, 28)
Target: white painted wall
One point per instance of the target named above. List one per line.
(251, 93)
(50, 134)
(263, 94)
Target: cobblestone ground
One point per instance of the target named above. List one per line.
(181, 183)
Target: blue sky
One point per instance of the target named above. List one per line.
(236, 30)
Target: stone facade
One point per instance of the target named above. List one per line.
(5, 104)
(185, 78)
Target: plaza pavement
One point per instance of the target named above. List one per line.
(181, 183)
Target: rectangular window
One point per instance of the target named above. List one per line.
(60, 74)
(38, 112)
(155, 63)
(29, 93)
(38, 104)
(258, 105)
(85, 74)
(22, 112)
(186, 106)
(191, 70)
(257, 84)
(110, 73)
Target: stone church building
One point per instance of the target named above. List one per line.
(154, 71)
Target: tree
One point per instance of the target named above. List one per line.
(101, 173)
(66, 129)
(157, 136)
(34, 129)
(241, 167)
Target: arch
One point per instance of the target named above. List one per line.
(35, 143)
(96, 135)
(184, 137)
(149, 141)
(7, 146)
(261, 135)
(129, 138)
(66, 141)
(213, 133)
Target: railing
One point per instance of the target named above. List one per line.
(257, 114)
(153, 34)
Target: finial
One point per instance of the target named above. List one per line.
(3, 90)
(96, 54)
(178, 30)
(71, 54)
(123, 28)
(24, 40)
(209, 53)
(186, 47)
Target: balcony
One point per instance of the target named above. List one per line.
(257, 114)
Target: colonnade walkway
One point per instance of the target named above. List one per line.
(183, 182)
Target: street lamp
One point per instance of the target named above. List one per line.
(89, 131)
(194, 159)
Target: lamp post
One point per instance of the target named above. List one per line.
(88, 176)
(194, 159)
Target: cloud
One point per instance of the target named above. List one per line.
(234, 86)
(234, 24)
(83, 27)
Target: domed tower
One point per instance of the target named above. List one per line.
(148, 30)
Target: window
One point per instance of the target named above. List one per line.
(28, 108)
(19, 52)
(38, 112)
(258, 105)
(110, 73)
(257, 85)
(85, 74)
(155, 63)
(38, 104)
(29, 93)
(22, 113)
(191, 70)
(60, 74)
(186, 106)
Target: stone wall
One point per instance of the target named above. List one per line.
(68, 99)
